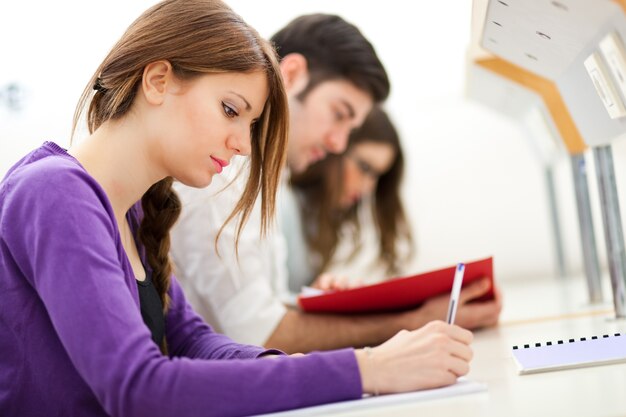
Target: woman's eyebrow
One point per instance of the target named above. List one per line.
(351, 112)
(248, 106)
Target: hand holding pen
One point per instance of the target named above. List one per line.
(432, 356)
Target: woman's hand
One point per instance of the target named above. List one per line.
(333, 282)
(432, 356)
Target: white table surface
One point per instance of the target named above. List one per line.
(534, 311)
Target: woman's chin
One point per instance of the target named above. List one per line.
(198, 182)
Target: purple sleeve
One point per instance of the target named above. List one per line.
(188, 335)
(64, 240)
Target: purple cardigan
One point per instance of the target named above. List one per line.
(72, 340)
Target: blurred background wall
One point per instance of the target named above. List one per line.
(474, 186)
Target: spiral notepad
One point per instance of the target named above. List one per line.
(570, 353)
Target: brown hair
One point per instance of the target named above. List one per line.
(320, 188)
(197, 37)
(334, 49)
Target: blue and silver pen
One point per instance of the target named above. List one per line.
(456, 291)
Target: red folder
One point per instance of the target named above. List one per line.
(397, 293)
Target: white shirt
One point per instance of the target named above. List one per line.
(364, 264)
(301, 263)
(240, 298)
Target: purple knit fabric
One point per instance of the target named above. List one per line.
(72, 340)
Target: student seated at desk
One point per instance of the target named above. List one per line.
(92, 322)
(344, 215)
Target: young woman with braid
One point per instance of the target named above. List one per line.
(350, 209)
(92, 322)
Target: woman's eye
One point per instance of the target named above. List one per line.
(229, 111)
(339, 116)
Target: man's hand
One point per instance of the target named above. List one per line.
(469, 315)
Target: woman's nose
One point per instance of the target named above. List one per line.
(240, 141)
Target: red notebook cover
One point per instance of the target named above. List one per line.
(397, 293)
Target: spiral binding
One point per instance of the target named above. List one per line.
(560, 342)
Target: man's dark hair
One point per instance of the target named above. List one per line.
(334, 49)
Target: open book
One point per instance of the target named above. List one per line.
(396, 294)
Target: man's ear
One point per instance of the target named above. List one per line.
(156, 77)
(295, 72)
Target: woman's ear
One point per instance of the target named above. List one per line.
(156, 77)
(295, 72)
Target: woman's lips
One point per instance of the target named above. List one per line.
(219, 164)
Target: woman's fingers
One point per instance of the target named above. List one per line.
(328, 281)
(461, 351)
(458, 366)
